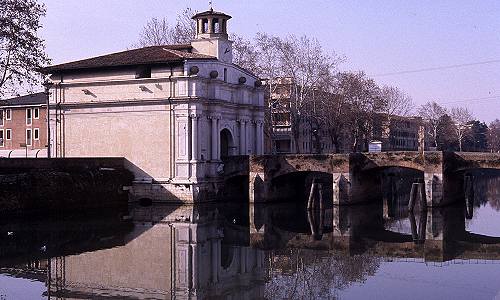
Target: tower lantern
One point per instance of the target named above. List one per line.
(211, 24)
(211, 35)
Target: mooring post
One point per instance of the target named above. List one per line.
(413, 195)
(413, 225)
(320, 191)
(469, 196)
(423, 200)
(417, 191)
(310, 218)
(310, 201)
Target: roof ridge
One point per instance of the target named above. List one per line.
(174, 52)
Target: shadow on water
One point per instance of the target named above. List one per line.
(236, 250)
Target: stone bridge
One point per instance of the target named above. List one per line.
(353, 176)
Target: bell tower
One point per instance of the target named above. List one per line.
(211, 35)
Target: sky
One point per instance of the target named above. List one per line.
(446, 51)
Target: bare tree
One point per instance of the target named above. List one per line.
(333, 112)
(307, 64)
(461, 117)
(394, 102)
(244, 54)
(432, 112)
(361, 93)
(156, 32)
(315, 274)
(159, 32)
(494, 136)
(185, 28)
(269, 67)
(22, 52)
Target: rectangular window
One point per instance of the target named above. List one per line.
(225, 74)
(28, 137)
(143, 72)
(36, 134)
(1, 117)
(8, 114)
(36, 113)
(28, 116)
(8, 134)
(1, 138)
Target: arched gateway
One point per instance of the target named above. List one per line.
(226, 143)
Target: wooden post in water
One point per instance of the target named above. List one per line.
(417, 192)
(320, 191)
(469, 196)
(310, 201)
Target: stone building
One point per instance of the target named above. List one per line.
(23, 126)
(173, 111)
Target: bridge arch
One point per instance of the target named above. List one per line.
(295, 186)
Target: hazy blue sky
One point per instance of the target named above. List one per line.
(376, 36)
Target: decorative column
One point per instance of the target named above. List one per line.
(194, 138)
(214, 244)
(215, 138)
(258, 137)
(242, 137)
(245, 135)
(210, 25)
(194, 264)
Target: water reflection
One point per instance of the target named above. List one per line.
(281, 251)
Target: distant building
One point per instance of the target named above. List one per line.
(397, 133)
(280, 140)
(23, 126)
(173, 111)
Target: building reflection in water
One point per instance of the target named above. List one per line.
(244, 252)
(172, 252)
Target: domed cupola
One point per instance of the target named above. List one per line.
(210, 24)
(211, 35)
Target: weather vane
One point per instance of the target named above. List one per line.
(210, 4)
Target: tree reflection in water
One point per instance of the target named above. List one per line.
(311, 274)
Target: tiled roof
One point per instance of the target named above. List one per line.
(211, 12)
(32, 99)
(142, 56)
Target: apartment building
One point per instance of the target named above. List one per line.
(23, 126)
(311, 138)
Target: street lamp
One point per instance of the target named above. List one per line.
(48, 84)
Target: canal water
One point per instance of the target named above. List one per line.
(240, 251)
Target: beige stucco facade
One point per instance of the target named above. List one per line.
(173, 125)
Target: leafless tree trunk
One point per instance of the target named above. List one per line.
(494, 136)
(304, 60)
(461, 117)
(159, 32)
(394, 102)
(432, 112)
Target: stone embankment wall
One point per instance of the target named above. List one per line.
(62, 184)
